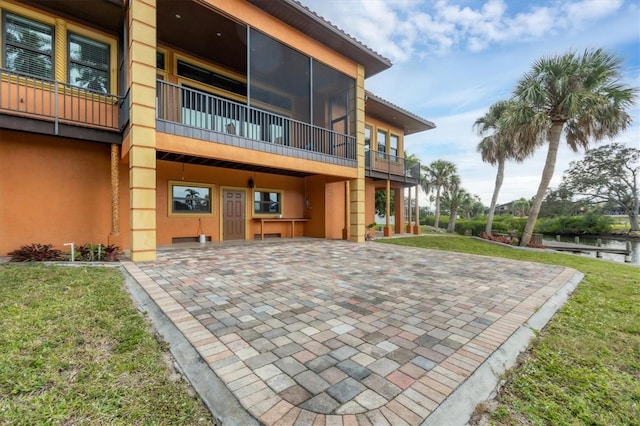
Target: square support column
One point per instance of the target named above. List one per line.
(356, 186)
(142, 131)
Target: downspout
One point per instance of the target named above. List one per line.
(115, 190)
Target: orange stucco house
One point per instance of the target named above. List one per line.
(144, 123)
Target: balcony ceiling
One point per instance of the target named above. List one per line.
(194, 28)
(104, 14)
(386, 111)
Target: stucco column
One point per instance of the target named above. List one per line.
(142, 132)
(387, 209)
(347, 211)
(356, 186)
(398, 194)
(416, 227)
(409, 226)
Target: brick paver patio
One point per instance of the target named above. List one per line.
(331, 332)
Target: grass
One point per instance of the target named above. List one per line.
(584, 368)
(76, 351)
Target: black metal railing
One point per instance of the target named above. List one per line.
(196, 109)
(393, 166)
(61, 103)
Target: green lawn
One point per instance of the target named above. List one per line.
(584, 368)
(74, 350)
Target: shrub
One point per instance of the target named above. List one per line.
(503, 224)
(46, 253)
(590, 224)
(96, 253)
(37, 253)
(430, 221)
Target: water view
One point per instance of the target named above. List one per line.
(606, 243)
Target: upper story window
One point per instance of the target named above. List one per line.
(88, 63)
(210, 78)
(382, 144)
(28, 46)
(393, 146)
(160, 61)
(367, 137)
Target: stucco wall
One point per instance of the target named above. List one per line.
(53, 191)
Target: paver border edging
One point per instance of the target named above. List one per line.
(484, 381)
(214, 393)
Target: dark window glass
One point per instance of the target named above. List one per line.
(28, 46)
(160, 60)
(393, 146)
(382, 144)
(367, 138)
(333, 99)
(279, 78)
(267, 202)
(211, 78)
(190, 199)
(88, 63)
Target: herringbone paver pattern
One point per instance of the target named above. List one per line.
(306, 332)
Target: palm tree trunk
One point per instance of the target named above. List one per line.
(436, 221)
(547, 174)
(494, 199)
(452, 220)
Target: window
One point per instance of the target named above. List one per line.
(211, 78)
(160, 60)
(28, 46)
(190, 198)
(382, 144)
(393, 147)
(88, 63)
(367, 137)
(267, 202)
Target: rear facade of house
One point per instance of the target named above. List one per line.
(144, 123)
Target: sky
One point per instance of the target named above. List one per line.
(453, 59)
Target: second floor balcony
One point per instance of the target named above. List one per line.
(380, 165)
(44, 106)
(195, 114)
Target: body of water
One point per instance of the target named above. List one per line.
(607, 243)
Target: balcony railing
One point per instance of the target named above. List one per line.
(203, 111)
(32, 97)
(395, 168)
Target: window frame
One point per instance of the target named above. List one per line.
(70, 61)
(37, 22)
(392, 149)
(382, 154)
(171, 212)
(263, 214)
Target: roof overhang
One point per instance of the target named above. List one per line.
(393, 114)
(304, 20)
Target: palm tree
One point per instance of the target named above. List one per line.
(578, 95)
(521, 207)
(454, 197)
(436, 178)
(496, 148)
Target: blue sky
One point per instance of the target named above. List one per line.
(453, 59)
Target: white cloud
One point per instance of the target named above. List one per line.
(398, 29)
(586, 10)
